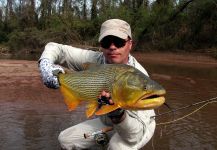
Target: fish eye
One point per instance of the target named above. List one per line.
(145, 88)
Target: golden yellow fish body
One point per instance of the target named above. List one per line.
(129, 88)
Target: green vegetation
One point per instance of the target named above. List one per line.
(165, 25)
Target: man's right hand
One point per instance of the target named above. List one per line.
(49, 72)
(117, 115)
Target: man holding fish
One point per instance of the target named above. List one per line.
(115, 86)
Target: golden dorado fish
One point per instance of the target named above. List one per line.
(129, 88)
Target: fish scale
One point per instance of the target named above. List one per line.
(89, 84)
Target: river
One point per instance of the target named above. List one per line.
(186, 86)
(31, 115)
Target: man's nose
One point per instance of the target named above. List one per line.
(112, 47)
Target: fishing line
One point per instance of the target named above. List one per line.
(170, 108)
(209, 101)
(184, 107)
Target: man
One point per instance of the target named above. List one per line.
(132, 129)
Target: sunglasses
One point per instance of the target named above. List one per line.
(108, 40)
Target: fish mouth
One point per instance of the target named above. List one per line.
(153, 95)
(151, 100)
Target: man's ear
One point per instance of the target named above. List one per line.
(130, 44)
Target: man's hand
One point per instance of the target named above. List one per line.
(49, 73)
(117, 115)
(105, 99)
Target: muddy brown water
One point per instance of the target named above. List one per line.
(31, 115)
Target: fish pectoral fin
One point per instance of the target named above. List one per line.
(106, 109)
(71, 101)
(91, 108)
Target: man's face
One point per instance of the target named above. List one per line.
(116, 50)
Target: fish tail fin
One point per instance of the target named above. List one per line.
(106, 109)
(91, 108)
(71, 101)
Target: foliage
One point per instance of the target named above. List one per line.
(163, 24)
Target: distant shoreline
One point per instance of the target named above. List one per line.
(183, 59)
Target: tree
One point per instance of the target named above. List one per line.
(94, 9)
(84, 10)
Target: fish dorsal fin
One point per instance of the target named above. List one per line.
(91, 108)
(88, 65)
(106, 109)
(71, 101)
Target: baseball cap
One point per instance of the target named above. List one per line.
(115, 27)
